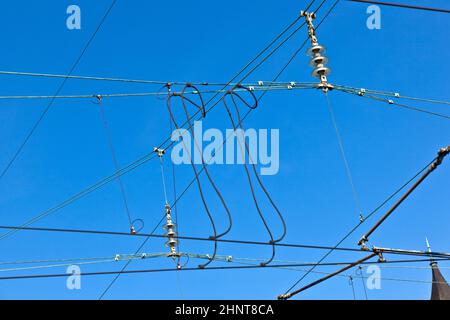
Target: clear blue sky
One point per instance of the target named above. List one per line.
(210, 41)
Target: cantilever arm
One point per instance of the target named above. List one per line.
(443, 152)
(331, 275)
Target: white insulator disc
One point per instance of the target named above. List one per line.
(322, 71)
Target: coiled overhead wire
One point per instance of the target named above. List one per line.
(245, 150)
(201, 108)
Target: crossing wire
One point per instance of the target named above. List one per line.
(61, 86)
(115, 162)
(351, 231)
(397, 95)
(392, 102)
(149, 156)
(245, 150)
(240, 72)
(255, 87)
(206, 111)
(356, 199)
(242, 267)
(405, 6)
(235, 241)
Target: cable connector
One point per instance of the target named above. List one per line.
(442, 153)
(381, 258)
(283, 296)
(159, 152)
(362, 243)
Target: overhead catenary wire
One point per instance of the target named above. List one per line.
(356, 199)
(117, 274)
(363, 282)
(148, 157)
(443, 152)
(397, 95)
(228, 259)
(255, 87)
(231, 241)
(199, 185)
(151, 255)
(356, 276)
(323, 1)
(204, 166)
(242, 267)
(259, 98)
(120, 183)
(206, 111)
(399, 5)
(394, 103)
(329, 276)
(245, 150)
(350, 279)
(60, 88)
(353, 229)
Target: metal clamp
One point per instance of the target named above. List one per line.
(159, 152)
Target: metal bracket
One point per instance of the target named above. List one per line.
(159, 152)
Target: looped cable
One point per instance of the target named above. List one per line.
(141, 225)
(255, 99)
(199, 186)
(239, 125)
(204, 165)
(201, 107)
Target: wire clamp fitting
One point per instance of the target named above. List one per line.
(443, 152)
(381, 258)
(159, 152)
(361, 218)
(283, 297)
(362, 243)
(361, 92)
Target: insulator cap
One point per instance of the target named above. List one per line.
(315, 61)
(315, 49)
(321, 71)
(171, 243)
(170, 233)
(169, 225)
